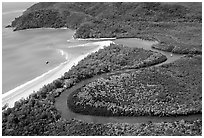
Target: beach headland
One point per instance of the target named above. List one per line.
(24, 90)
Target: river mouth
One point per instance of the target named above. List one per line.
(66, 113)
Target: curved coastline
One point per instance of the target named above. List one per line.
(76, 89)
(24, 90)
(36, 84)
(19, 92)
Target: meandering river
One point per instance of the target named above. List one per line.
(40, 45)
(61, 101)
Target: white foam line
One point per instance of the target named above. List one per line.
(95, 39)
(62, 53)
(92, 44)
(44, 28)
(9, 12)
(64, 28)
(90, 39)
(24, 90)
(29, 82)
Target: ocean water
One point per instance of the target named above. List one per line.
(24, 53)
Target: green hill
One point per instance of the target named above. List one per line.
(108, 12)
(177, 22)
(118, 80)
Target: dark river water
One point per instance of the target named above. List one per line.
(61, 102)
(25, 52)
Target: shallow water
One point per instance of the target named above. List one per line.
(24, 56)
(24, 53)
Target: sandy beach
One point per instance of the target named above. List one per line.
(35, 84)
(95, 39)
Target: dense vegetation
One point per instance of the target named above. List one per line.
(80, 128)
(114, 57)
(39, 19)
(116, 13)
(177, 28)
(177, 128)
(176, 25)
(35, 115)
(171, 90)
(182, 38)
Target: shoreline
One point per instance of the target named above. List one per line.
(40, 28)
(11, 12)
(95, 39)
(91, 39)
(24, 90)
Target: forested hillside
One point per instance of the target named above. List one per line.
(118, 80)
(142, 20)
(180, 81)
(36, 115)
(169, 90)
